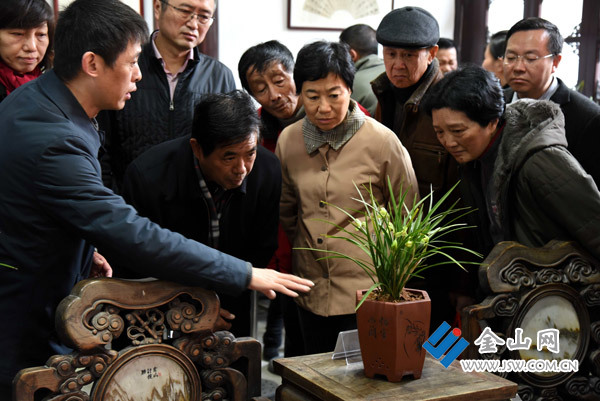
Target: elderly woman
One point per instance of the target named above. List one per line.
(26, 30)
(322, 156)
(516, 168)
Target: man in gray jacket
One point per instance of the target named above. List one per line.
(363, 50)
(176, 77)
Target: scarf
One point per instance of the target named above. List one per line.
(314, 138)
(11, 79)
(214, 213)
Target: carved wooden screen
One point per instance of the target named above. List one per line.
(144, 340)
(557, 286)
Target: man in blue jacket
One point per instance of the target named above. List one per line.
(218, 187)
(54, 208)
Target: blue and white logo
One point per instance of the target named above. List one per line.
(452, 345)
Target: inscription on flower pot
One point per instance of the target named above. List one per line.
(378, 327)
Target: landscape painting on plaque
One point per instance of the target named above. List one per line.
(336, 14)
(149, 373)
(552, 312)
(557, 307)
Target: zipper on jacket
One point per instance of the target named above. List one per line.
(171, 105)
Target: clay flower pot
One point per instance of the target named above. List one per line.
(391, 336)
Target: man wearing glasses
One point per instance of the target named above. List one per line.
(533, 52)
(175, 77)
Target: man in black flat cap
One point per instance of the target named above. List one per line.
(409, 36)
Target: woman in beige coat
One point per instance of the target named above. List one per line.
(322, 156)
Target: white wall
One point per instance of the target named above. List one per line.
(244, 23)
(442, 10)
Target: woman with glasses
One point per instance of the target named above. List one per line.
(26, 31)
(323, 156)
(515, 165)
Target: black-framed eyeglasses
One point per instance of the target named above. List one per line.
(187, 15)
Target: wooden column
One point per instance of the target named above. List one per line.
(588, 47)
(210, 46)
(470, 29)
(532, 8)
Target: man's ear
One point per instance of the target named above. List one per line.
(196, 149)
(493, 125)
(432, 53)
(157, 7)
(556, 61)
(354, 55)
(91, 64)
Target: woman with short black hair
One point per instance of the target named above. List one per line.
(323, 156)
(516, 168)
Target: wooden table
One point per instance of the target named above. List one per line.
(318, 377)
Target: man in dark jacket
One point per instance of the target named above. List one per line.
(218, 187)
(266, 72)
(533, 52)
(409, 36)
(54, 208)
(176, 76)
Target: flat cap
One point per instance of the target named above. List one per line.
(408, 27)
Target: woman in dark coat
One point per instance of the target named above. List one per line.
(516, 168)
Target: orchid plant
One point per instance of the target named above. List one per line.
(9, 266)
(398, 240)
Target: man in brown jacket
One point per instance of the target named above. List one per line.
(409, 36)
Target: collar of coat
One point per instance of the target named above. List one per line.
(314, 138)
(432, 75)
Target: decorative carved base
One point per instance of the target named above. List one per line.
(171, 346)
(519, 279)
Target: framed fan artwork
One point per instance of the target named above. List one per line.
(137, 5)
(336, 15)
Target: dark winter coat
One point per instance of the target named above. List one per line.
(150, 117)
(539, 191)
(433, 165)
(54, 209)
(582, 126)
